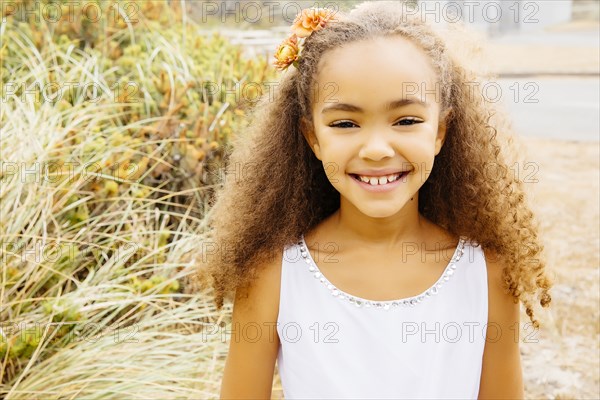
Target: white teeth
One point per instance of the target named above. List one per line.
(379, 180)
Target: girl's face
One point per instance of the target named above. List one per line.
(375, 113)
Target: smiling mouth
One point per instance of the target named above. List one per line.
(380, 180)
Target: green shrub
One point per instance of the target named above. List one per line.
(117, 203)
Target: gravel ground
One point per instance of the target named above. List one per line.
(563, 362)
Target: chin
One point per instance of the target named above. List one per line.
(379, 212)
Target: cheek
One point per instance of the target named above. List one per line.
(429, 138)
(421, 143)
(330, 146)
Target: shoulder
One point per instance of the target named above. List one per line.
(262, 290)
(503, 308)
(501, 375)
(251, 359)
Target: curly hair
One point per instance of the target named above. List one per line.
(287, 192)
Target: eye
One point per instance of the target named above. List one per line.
(409, 121)
(342, 124)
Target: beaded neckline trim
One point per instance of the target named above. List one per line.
(386, 304)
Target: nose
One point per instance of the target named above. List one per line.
(376, 146)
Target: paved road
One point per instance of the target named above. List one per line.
(566, 108)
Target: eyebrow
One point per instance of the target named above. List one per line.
(390, 106)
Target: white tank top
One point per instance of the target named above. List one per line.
(334, 345)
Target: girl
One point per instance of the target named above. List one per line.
(376, 244)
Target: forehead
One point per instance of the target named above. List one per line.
(375, 71)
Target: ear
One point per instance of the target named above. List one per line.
(309, 134)
(442, 127)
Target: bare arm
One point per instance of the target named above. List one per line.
(501, 375)
(251, 360)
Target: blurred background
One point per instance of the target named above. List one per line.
(115, 122)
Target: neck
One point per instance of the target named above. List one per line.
(386, 232)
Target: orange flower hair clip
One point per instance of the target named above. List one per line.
(307, 22)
